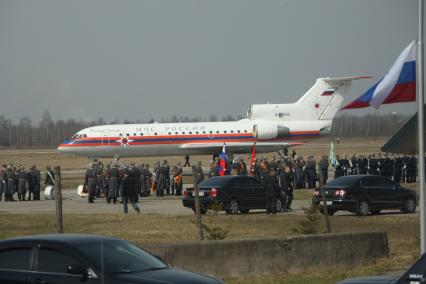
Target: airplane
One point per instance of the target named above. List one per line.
(271, 126)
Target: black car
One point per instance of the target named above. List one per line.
(234, 193)
(73, 258)
(364, 194)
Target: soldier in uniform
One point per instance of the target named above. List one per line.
(142, 180)
(380, 165)
(130, 191)
(299, 176)
(362, 165)
(99, 169)
(411, 169)
(22, 183)
(388, 167)
(345, 165)
(2, 182)
(161, 180)
(323, 170)
(167, 180)
(397, 169)
(372, 165)
(33, 183)
(353, 165)
(113, 188)
(50, 177)
(213, 171)
(105, 178)
(91, 182)
(10, 183)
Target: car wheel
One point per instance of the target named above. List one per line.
(363, 208)
(375, 212)
(232, 207)
(244, 211)
(278, 205)
(409, 206)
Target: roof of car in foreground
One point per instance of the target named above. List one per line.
(61, 238)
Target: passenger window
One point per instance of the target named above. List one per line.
(190, 132)
(50, 260)
(224, 131)
(18, 259)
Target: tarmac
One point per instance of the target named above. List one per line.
(168, 205)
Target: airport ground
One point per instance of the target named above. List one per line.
(165, 221)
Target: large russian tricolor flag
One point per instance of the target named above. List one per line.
(397, 86)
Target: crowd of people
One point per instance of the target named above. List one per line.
(14, 179)
(131, 181)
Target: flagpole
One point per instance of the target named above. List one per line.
(421, 152)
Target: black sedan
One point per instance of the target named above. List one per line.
(234, 193)
(364, 194)
(71, 258)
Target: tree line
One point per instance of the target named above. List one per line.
(48, 133)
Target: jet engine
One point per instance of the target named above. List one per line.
(266, 131)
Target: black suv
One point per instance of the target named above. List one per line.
(234, 193)
(364, 194)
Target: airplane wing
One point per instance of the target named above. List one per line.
(240, 147)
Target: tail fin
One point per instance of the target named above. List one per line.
(324, 99)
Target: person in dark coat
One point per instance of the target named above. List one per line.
(137, 176)
(22, 183)
(113, 188)
(338, 168)
(91, 182)
(272, 190)
(323, 170)
(10, 178)
(397, 169)
(33, 184)
(129, 191)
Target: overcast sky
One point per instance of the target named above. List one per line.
(151, 59)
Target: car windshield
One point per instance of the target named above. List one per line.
(116, 256)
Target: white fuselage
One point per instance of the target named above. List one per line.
(171, 139)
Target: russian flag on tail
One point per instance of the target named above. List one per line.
(222, 162)
(397, 86)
